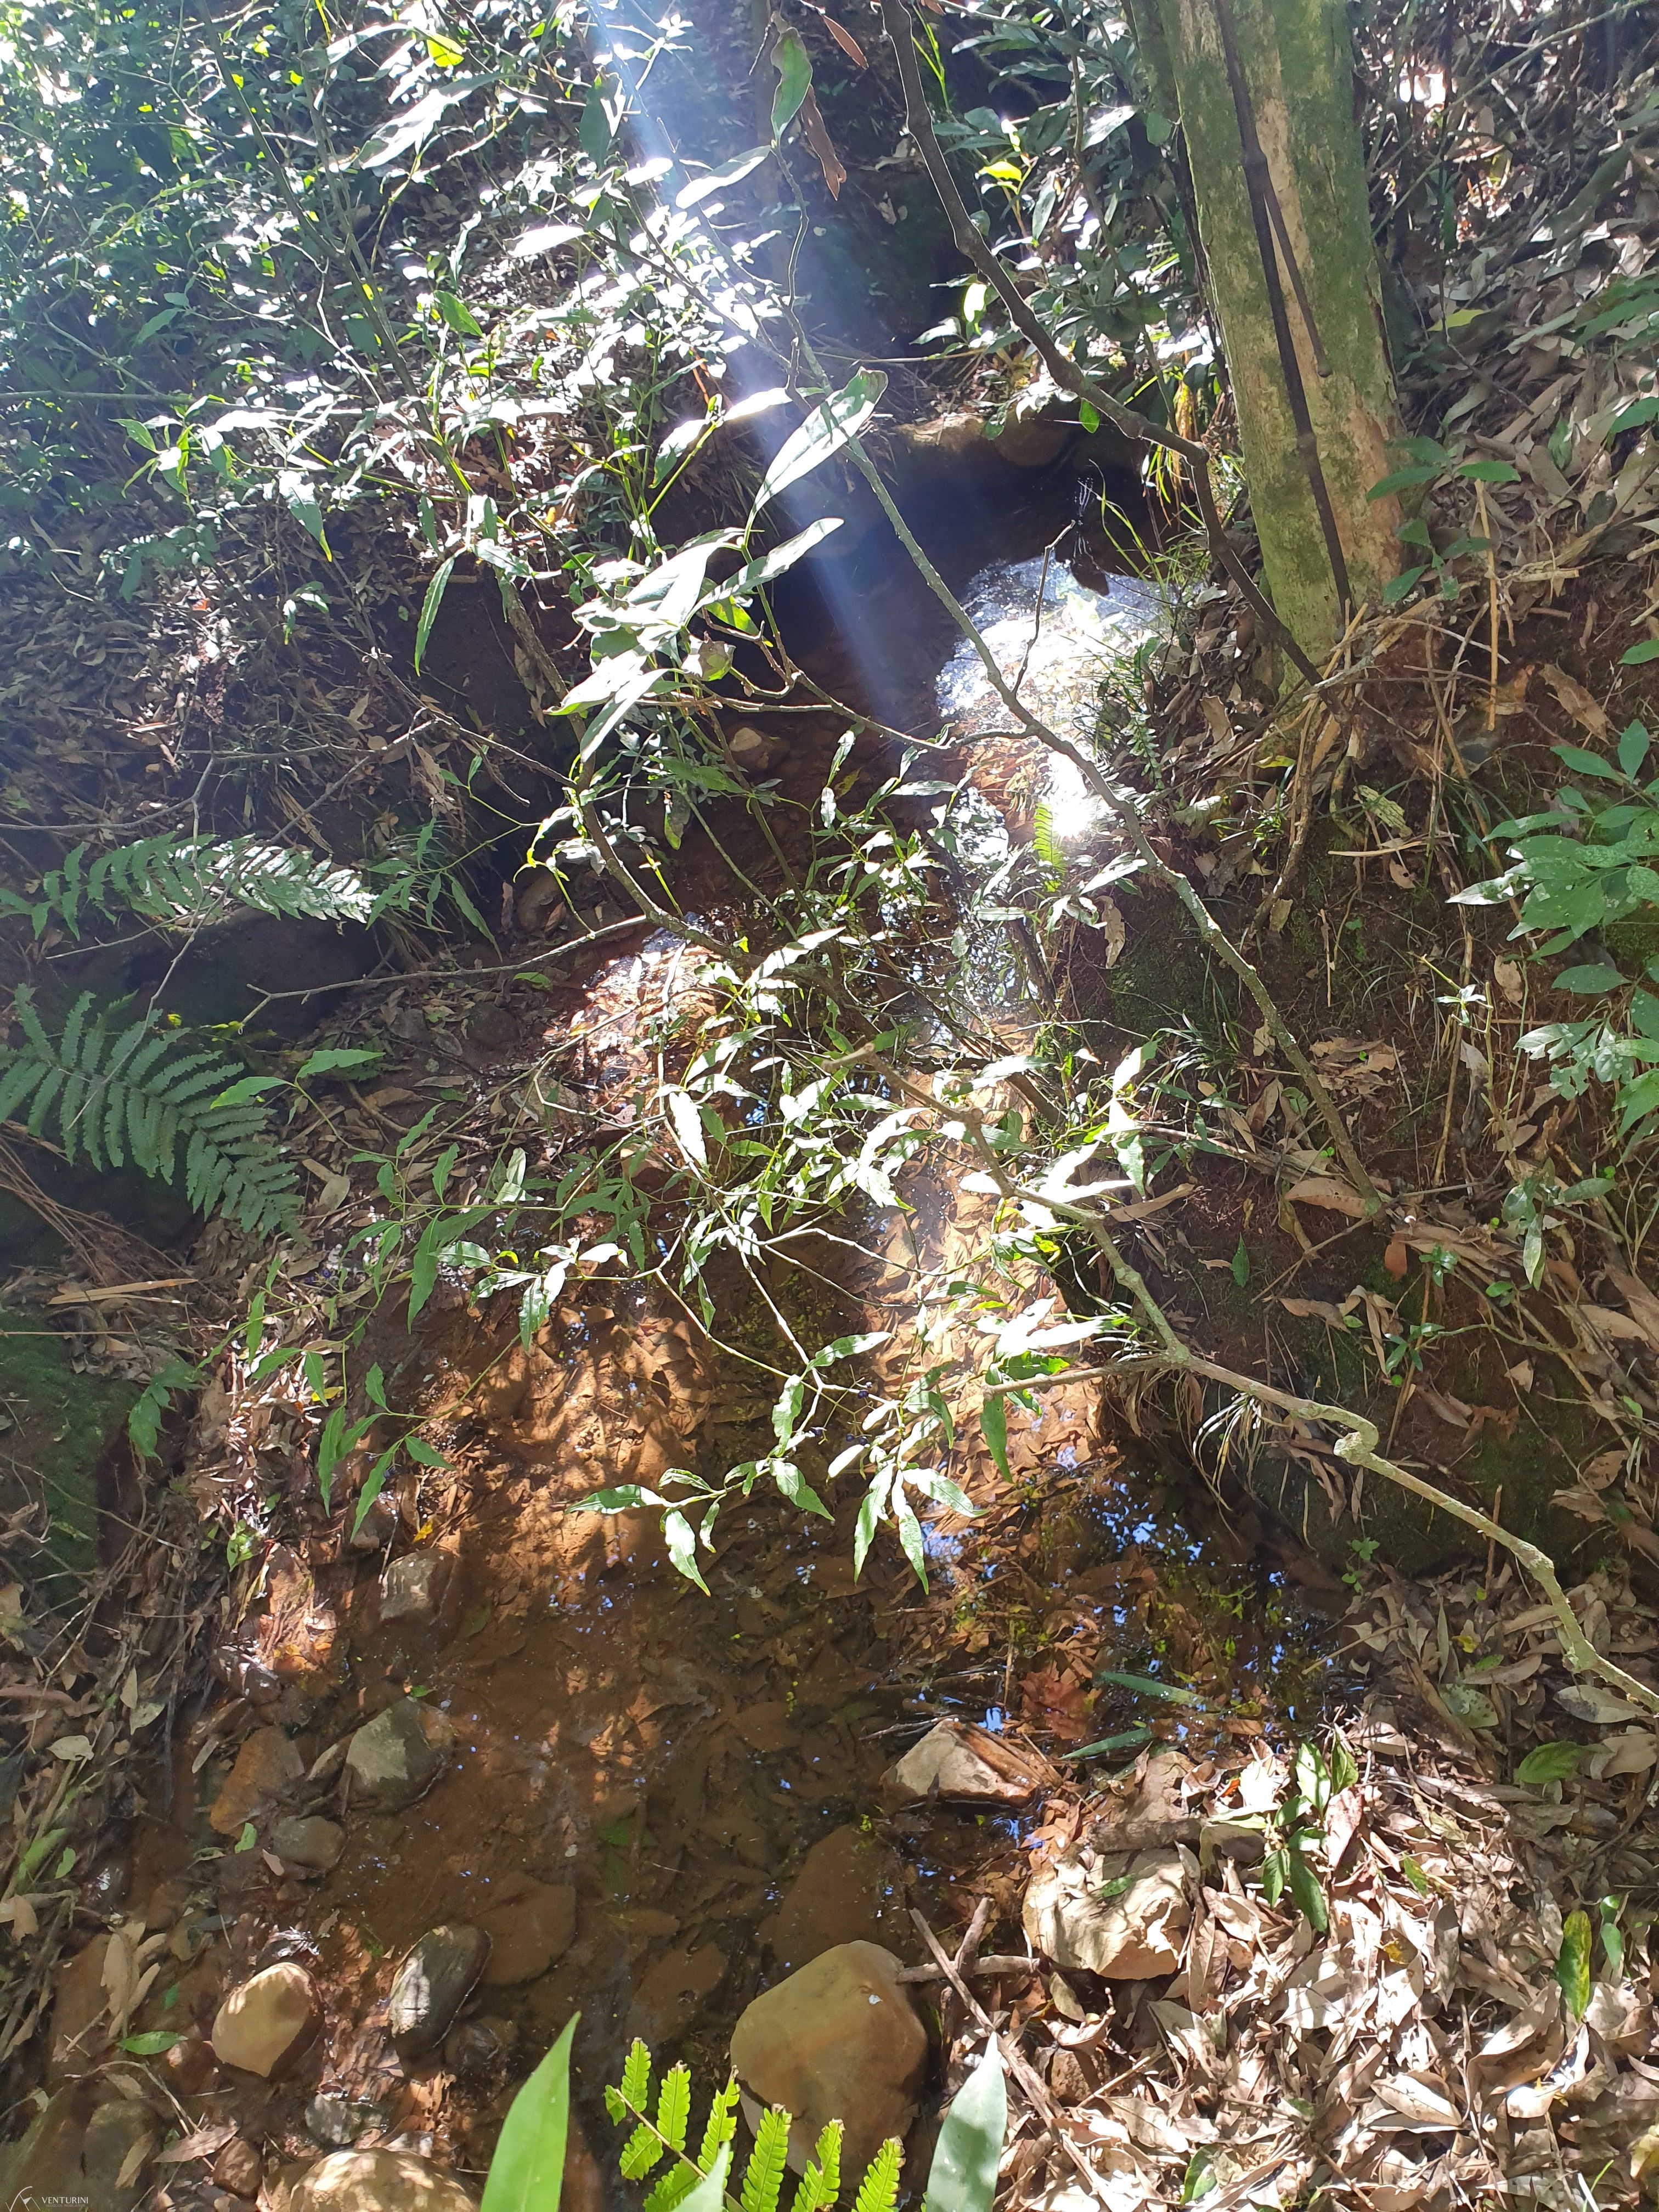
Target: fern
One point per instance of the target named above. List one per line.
(879, 2191)
(137, 1093)
(184, 881)
(763, 2180)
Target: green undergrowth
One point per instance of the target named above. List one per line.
(59, 1422)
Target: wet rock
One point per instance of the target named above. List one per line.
(167, 1902)
(188, 2066)
(313, 1844)
(765, 1728)
(266, 2019)
(967, 1765)
(432, 1985)
(80, 2014)
(530, 1925)
(238, 2168)
(44, 2164)
(412, 1588)
(340, 2122)
(399, 1755)
(838, 2040)
(120, 2141)
(378, 1526)
(673, 1992)
(377, 2181)
(751, 751)
(266, 1765)
(1124, 1918)
(849, 1890)
(476, 2047)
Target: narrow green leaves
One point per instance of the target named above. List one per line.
(963, 2175)
(1572, 1964)
(526, 2174)
(823, 433)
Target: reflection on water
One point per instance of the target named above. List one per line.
(1053, 639)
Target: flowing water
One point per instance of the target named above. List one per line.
(672, 1758)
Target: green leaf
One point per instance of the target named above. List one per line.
(459, 316)
(681, 1539)
(249, 1086)
(963, 2175)
(1591, 976)
(794, 69)
(709, 2195)
(1637, 654)
(993, 1426)
(1572, 1964)
(1088, 415)
(151, 2043)
(429, 606)
(1126, 1739)
(526, 2174)
(825, 431)
(763, 2180)
(1169, 1691)
(879, 2191)
(1634, 744)
(1239, 1266)
(333, 1059)
(1495, 472)
(1549, 1762)
(373, 1484)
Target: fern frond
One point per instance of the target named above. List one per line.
(879, 2191)
(139, 1093)
(674, 2106)
(636, 2075)
(720, 2127)
(176, 881)
(764, 2176)
(640, 2153)
(820, 2185)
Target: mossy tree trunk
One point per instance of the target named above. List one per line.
(1297, 68)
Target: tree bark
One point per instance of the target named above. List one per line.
(1298, 68)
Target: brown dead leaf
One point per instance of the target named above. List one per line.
(1055, 1701)
(1326, 1191)
(823, 146)
(1577, 700)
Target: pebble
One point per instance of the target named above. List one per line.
(432, 1985)
(267, 2019)
(478, 2046)
(238, 2168)
(849, 1889)
(188, 2066)
(1135, 1934)
(266, 1765)
(377, 2181)
(313, 1844)
(339, 2121)
(399, 1755)
(412, 1588)
(530, 1925)
(839, 2040)
(670, 1996)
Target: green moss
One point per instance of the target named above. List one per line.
(60, 1423)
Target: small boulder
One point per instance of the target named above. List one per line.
(121, 2139)
(377, 2181)
(399, 1755)
(967, 1765)
(530, 1925)
(839, 2040)
(313, 1844)
(473, 2048)
(339, 2122)
(412, 1588)
(849, 1890)
(80, 2014)
(751, 751)
(432, 1985)
(188, 2066)
(1126, 1919)
(671, 1995)
(238, 2168)
(266, 1765)
(267, 2019)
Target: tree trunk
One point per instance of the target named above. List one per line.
(1296, 65)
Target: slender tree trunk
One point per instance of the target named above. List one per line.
(1298, 69)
